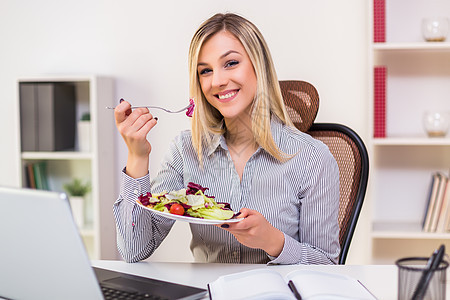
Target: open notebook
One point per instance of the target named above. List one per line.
(42, 255)
(266, 284)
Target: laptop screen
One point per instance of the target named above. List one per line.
(42, 255)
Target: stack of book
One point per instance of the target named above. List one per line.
(437, 212)
(36, 175)
(47, 116)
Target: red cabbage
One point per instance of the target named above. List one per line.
(193, 188)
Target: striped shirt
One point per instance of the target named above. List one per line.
(300, 197)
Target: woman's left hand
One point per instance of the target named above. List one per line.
(255, 231)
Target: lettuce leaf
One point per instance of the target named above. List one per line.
(211, 213)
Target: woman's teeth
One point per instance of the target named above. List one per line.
(226, 96)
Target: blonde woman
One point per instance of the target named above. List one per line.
(243, 147)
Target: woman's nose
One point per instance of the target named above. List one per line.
(219, 79)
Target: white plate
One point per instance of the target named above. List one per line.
(190, 219)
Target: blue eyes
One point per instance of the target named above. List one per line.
(231, 63)
(204, 71)
(228, 64)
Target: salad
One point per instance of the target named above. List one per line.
(191, 202)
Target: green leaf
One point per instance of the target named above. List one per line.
(77, 188)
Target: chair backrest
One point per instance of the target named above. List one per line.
(351, 155)
(347, 148)
(302, 102)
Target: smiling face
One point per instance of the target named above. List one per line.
(227, 77)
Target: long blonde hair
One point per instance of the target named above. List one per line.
(207, 120)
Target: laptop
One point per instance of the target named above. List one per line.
(42, 255)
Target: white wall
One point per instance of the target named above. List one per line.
(143, 44)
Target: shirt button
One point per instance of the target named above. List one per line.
(135, 192)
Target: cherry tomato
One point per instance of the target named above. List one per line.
(177, 209)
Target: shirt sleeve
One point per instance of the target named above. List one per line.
(139, 232)
(318, 224)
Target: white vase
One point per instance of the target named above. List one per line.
(77, 206)
(84, 136)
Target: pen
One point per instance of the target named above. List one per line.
(432, 264)
(294, 290)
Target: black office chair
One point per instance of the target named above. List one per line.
(302, 101)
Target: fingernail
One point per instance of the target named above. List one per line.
(225, 226)
(121, 100)
(156, 118)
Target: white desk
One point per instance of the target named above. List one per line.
(381, 280)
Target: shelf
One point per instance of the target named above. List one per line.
(418, 46)
(61, 155)
(411, 141)
(393, 230)
(92, 94)
(408, 76)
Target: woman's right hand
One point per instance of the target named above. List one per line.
(133, 126)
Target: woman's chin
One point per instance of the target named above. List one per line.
(231, 117)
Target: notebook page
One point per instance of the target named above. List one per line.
(321, 285)
(254, 284)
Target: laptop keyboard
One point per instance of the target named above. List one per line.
(112, 294)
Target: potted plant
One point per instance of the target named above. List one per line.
(77, 190)
(84, 132)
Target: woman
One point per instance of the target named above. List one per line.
(244, 148)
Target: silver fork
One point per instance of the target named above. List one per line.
(157, 107)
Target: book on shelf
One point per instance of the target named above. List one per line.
(299, 284)
(444, 214)
(436, 203)
(36, 175)
(431, 195)
(47, 116)
(447, 223)
(379, 104)
(379, 21)
(31, 182)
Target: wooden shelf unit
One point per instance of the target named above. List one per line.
(93, 94)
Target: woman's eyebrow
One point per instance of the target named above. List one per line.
(222, 56)
(228, 53)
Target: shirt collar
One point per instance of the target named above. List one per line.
(217, 141)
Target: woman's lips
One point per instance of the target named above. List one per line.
(227, 96)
